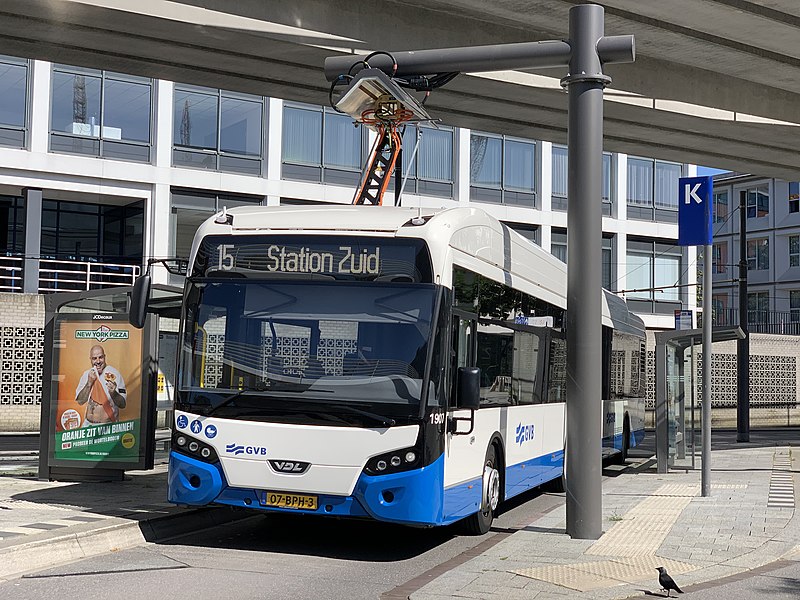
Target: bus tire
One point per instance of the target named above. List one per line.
(626, 440)
(480, 522)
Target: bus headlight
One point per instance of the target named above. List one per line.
(393, 462)
(195, 448)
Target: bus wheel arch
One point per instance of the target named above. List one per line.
(492, 483)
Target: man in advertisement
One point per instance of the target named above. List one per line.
(102, 389)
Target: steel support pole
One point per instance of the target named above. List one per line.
(705, 474)
(743, 345)
(583, 461)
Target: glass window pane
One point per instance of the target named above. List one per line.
(195, 120)
(13, 80)
(75, 104)
(126, 111)
(638, 275)
(607, 177)
(342, 142)
(409, 142)
(485, 160)
(640, 182)
(302, 135)
(240, 127)
(720, 206)
(667, 273)
(435, 154)
(560, 172)
(186, 224)
(518, 167)
(667, 176)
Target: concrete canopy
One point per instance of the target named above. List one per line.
(716, 82)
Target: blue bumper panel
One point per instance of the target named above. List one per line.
(411, 497)
(192, 481)
(462, 500)
(337, 506)
(530, 473)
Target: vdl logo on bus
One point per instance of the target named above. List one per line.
(237, 449)
(525, 433)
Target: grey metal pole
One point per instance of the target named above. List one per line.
(705, 475)
(743, 345)
(585, 83)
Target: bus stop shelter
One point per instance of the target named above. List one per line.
(674, 381)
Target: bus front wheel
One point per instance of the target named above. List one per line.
(480, 522)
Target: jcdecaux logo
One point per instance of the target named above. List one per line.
(525, 433)
(238, 449)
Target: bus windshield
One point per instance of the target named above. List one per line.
(360, 343)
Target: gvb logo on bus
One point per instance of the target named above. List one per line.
(525, 433)
(237, 450)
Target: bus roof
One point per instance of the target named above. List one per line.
(469, 236)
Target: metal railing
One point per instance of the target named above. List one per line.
(79, 276)
(758, 321)
(11, 273)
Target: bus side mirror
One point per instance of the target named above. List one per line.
(469, 388)
(140, 296)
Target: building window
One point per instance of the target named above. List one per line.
(794, 250)
(13, 101)
(719, 307)
(794, 197)
(502, 170)
(559, 193)
(12, 225)
(794, 305)
(98, 113)
(758, 307)
(191, 208)
(217, 130)
(429, 171)
(531, 232)
(321, 145)
(720, 257)
(653, 189)
(758, 202)
(558, 244)
(758, 254)
(720, 206)
(653, 270)
(78, 231)
(558, 248)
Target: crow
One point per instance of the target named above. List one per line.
(666, 582)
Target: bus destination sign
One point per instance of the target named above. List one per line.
(345, 257)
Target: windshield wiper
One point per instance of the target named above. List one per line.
(380, 419)
(227, 401)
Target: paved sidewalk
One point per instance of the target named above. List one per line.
(43, 524)
(650, 520)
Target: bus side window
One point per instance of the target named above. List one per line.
(557, 372)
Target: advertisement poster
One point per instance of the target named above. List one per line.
(99, 404)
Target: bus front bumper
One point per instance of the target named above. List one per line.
(409, 497)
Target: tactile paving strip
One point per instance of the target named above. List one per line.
(643, 528)
(587, 576)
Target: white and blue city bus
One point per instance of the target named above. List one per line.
(385, 363)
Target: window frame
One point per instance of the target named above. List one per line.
(651, 210)
(796, 254)
(794, 197)
(752, 192)
(653, 250)
(560, 202)
(756, 257)
(319, 171)
(504, 194)
(718, 217)
(427, 186)
(24, 129)
(101, 141)
(217, 159)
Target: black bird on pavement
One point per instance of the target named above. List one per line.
(667, 583)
